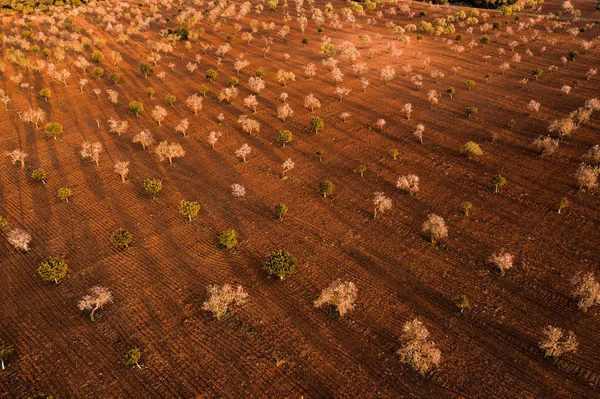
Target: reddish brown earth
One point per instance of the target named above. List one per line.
(159, 283)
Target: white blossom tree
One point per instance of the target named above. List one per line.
(97, 298)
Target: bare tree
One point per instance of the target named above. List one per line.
(96, 299)
(417, 351)
(144, 138)
(166, 150)
(91, 150)
(122, 169)
(381, 203)
(409, 183)
(19, 239)
(587, 290)
(502, 260)
(221, 298)
(554, 345)
(340, 295)
(243, 152)
(435, 227)
(17, 156)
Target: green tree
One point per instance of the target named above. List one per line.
(498, 181)
(64, 193)
(132, 358)
(39, 174)
(4, 222)
(152, 187)
(284, 137)
(189, 209)
(97, 56)
(136, 107)
(280, 211)
(573, 54)
(114, 77)
(5, 351)
(150, 92)
(121, 238)
(280, 263)
(325, 188)
(471, 111)
(146, 69)
(98, 72)
(316, 124)
(45, 94)
(53, 129)
(485, 40)
(232, 81)
(462, 303)
(53, 269)
(211, 74)
(537, 73)
(170, 99)
(466, 207)
(471, 149)
(203, 89)
(228, 239)
(451, 90)
(470, 84)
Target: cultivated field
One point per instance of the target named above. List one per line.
(277, 344)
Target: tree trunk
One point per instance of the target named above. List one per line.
(92, 314)
(2, 361)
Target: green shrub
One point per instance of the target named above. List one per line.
(152, 187)
(132, 358)
(284, 137)
(189, 209)
(325, 188)
(316, 124)
(280, 211)
(471, 149)
(228, 239)
(121, 238)
(136, 107)
(211, 74)
(53, 129)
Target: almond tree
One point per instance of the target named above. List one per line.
(144, 138)
(182, 126)
(387, 74)
(419, 132)
(341, 92)
(251, 102)
(82, 82)
(533, 107)
(19, 238)
(407, 110)
(237, 190)
(17, 156)
(310, 70)
(284, 111)
(194, 102)
(312, 102)
(587, 290)
(117, 126)
(228, 93)
(243, 152)
(113, 96)
(35, 116)
(221, 298)
(593, 154)
(502, 260)
(565, 89)
(284, 76)
(159, 114)
(240, 64)
(432, 97)
(564, 127)
(96, 299)
(546, 145)
(249, 125)
(122, 169)
(587, 176)
(341, 295)
(166, 150)
(364, 84)
(409, 183)
(213, 137)
(286, 167)
(256, 84)
(417, 351)
(554, 345)
(381, 203)
(380, 124)
(91, 151)
(435, 227)
(4, 99)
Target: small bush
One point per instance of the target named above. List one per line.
(471, 149)
(280, 211)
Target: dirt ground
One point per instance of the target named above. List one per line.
(278, 345)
